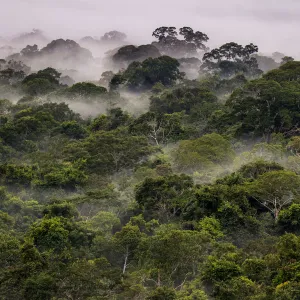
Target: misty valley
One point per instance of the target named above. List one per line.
(160, 171)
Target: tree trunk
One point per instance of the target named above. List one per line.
(276, 214)
(158, 278)
(125, 262)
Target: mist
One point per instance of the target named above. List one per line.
(272, 25)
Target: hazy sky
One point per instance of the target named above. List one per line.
(272, 24)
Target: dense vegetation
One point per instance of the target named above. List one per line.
(195, 197)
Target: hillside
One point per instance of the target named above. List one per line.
(173, 175)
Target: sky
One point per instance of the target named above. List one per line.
(271, 24)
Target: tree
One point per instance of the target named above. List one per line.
(61, 209)
(263, 107)
(231, 59)
(84, 90)
(206, 152)
(286, 59)
(126, 242)
(162, 293)
(169, 44)
(288, 247)
(10, 253)
(265, 63)
(109, 152)
(87, 279)
(163, 32)
(38, 87)
(290, 218)
(289, 72)
(65, 175)
(236, 288)
(256, 168)
(294, 145)
(42, 82)
(144, 75)
(10, 76)
(31, 123)
(58, 235)
(106, 77)
(113, 36)
(176, 254)
(287, 290)
(50, 74)
(158, 128)
(50, 234)
(10, 262)
(114, 119)
(38, 287)
(30, 51)
(164, 197)
(185, 98)
(28, 38)
(192, 290)
(275, 190)
(66, 52)
(127, 54)
(72, 129)
(105, 222)
(198, 38)
(18, 66)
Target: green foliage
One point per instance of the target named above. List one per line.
(272, 109)
(104, 221)
(192, 290)
(144, 75)
(256, 168)
(237, 288)
(126, 243)
(130, 53)
(164, 197)
(162, 293)
(58, 235)
(61, 209)
(219, 270)
(10, 251)
(6, 222)
(203, 153)
(186, 99)
(231, 59)
(255, 268)
(290, 218)
(275, 190)
(65, 175)
(288, 246)
(72, 129)
(50, 234)
(115, 118)
(42, 82)
(287, 290)
(169, 44)
(112, 151)
(287, 72)
(176, 253)
(40, 287)
(212, 226)
(83, 90)
(160, 129)
(18, 174)
(169, 194)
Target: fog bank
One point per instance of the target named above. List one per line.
(273, 25)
